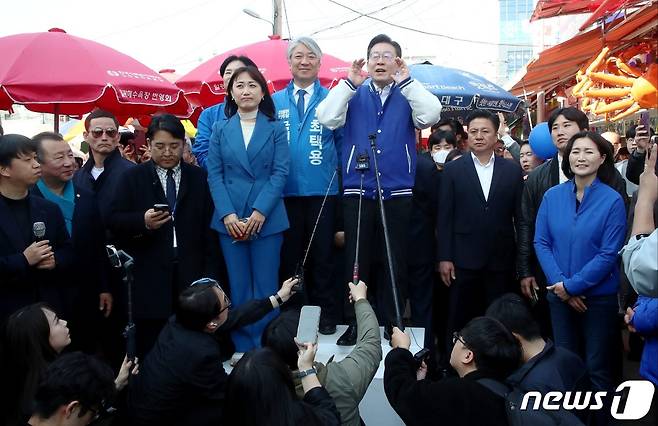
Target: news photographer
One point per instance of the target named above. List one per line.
(182, 380)
(484, 348)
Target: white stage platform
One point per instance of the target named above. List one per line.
(374, 408)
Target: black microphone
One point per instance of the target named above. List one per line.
(38, 230)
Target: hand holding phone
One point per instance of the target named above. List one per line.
(154, 219)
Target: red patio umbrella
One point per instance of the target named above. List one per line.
(55, 72)
(204, 86)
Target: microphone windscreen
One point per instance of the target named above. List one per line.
(39, 230)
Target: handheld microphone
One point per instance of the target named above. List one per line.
(38, 230)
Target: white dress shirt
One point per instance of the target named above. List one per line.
(485, 173)
(162, 175)
(563, 177)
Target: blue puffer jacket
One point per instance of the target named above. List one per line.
(313, 153)
(645, 322)
(204, 129)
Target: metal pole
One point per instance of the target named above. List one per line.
(389, 256)
(277, 21)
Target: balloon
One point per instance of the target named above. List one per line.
(541, 142)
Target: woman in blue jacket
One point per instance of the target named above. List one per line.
(580, 229)
(247, 169)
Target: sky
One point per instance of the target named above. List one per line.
(181, 34)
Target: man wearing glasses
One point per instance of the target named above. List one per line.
(182, 380)
(389, 105)
(482, 352)
(101, 172)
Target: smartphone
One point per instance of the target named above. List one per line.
(644, 120)
(309, 322)
(161, 207)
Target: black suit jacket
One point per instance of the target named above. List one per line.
(106, 185)
(198, 246)
(20, 283)
(475, 233)
(422, 239)
(88, 238)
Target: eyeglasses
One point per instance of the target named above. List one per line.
(215, 284)
(97, 132)
(457, 337)
(385, 57)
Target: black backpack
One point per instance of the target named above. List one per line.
(517, 417)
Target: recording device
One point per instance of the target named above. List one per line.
(309, 323)
(362, 163)
(121, 259)
(38, 230)
(161, 207)
(420, 356)
(299, 276)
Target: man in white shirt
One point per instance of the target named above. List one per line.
(479, 206)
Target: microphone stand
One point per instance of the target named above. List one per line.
(389, 256)
(362, 166)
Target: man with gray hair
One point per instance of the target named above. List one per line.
(313, 162)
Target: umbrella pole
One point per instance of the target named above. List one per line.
(56, 123)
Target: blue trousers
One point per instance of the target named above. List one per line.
(253, 271)
(592, 334)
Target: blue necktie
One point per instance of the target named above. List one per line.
(171, 190)
(300, 103)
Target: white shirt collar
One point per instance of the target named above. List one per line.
(309, 89)
(477, 162)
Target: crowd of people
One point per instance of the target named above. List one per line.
(511, 264)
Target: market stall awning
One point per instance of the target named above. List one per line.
(552, 8)
(560, 63)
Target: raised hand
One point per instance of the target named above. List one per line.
(355, 75)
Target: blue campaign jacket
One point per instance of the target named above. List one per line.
(313, 157)
(645, 321)
(207, 119)
(580, 248)
(242, 180)
(396, 142)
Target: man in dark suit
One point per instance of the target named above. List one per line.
(174, 246)
(479, 205)
(32, 267)
(88, 286)
(101, 173)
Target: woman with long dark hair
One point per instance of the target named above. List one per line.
(580, 229)
(247, 170)
(260, 391)
(33, 337)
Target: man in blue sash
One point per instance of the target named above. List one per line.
(313, 161)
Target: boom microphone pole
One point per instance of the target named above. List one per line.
(389, 257)
(121, 259)
(299, 274)
(362, 165)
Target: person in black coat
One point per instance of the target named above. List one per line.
(173, 246)
(32, 268)
(102, 171)
(182, 381)
(479, 205)
(88, 291)
(484, 349)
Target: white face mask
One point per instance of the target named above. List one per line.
(440, 156)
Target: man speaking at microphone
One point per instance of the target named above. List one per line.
(35, 247)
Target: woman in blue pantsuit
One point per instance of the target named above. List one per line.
(247, 169)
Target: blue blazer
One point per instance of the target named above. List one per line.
(242, 180)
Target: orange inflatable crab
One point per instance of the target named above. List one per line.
(610, 86)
